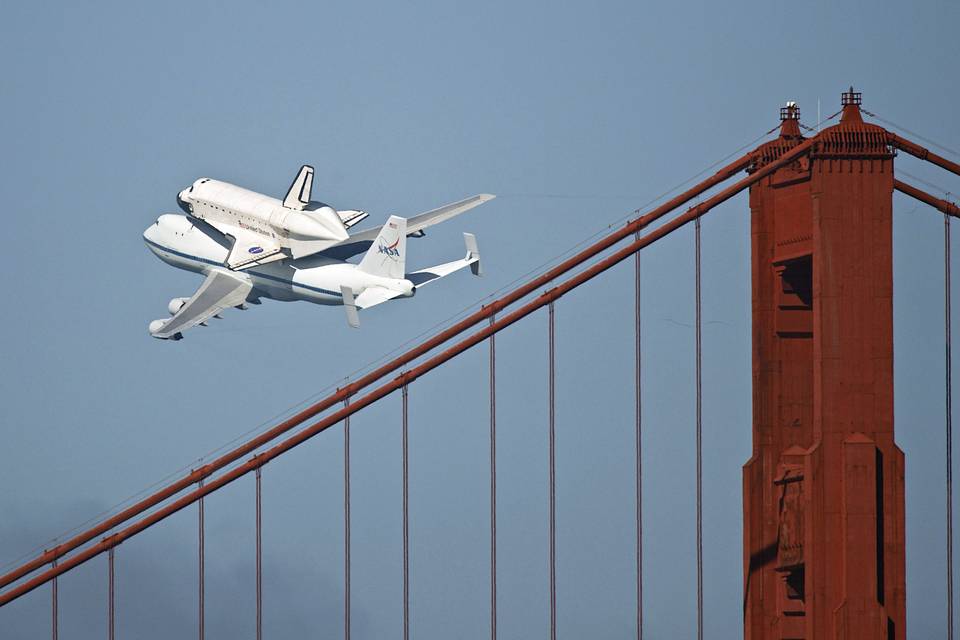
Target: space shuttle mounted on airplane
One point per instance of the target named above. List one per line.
(251, 246)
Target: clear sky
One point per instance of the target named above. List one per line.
(574, 114)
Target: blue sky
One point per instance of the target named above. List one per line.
(574, 115)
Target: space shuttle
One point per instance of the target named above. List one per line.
(266, 229)
(250, 246)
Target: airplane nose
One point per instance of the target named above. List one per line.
(150, 233)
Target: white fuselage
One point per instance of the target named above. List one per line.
(318, 279)
(221, 203)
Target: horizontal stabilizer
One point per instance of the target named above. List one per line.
(372, 296)
(472, 260)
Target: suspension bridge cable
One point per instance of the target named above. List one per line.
(200, 565)
(639, 445)
(267, 424)
(259, 543)
(922, 181)
(932, 143)
(949, 420)
(111, 599)
(436, 360)
(551, 378)
(699, 429)
(406, 522)
(346, 523)
(55, 617)
(493, 483)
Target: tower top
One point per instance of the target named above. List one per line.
(851, 101)
(790, 120)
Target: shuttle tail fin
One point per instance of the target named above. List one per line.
(298, 195)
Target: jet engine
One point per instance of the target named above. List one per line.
(154, 326)
(176, 304)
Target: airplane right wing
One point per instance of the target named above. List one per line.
(361, 241)
(221, 290)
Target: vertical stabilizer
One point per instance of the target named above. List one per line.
(387, 255)
(298, 196)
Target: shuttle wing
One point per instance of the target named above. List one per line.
(221, 290)
(250, 250)
(361, 240)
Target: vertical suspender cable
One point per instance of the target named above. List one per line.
(55, 622)
(551, 376)
(406, 524)
(493, 484)
(639, 445)
(200, 562)
(111, 633)
(699, 380)
(259, 517)
(949, 422)
(346, 523)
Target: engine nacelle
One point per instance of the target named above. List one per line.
(155, 326)
(176, 304)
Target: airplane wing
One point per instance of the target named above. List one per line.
(361, 241)
(221, 290)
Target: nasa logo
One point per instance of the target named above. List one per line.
(390, 250)
(255, 249)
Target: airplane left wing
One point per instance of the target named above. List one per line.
(361, 241)
(221, 290)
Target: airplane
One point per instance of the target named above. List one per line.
(250, 246)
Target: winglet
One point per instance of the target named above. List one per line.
(473, 253)
(298, 196)
(350, 306)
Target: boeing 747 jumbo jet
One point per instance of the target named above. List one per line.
(251, 246)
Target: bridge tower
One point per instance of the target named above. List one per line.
(823, 491)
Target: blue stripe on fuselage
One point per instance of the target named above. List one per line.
(250, 271)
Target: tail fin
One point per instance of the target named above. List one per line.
(387, 255)
(298, 196)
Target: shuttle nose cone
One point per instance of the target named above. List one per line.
(182, 202)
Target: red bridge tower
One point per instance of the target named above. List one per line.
(823, 492)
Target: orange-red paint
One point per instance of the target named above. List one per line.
(823, 491)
